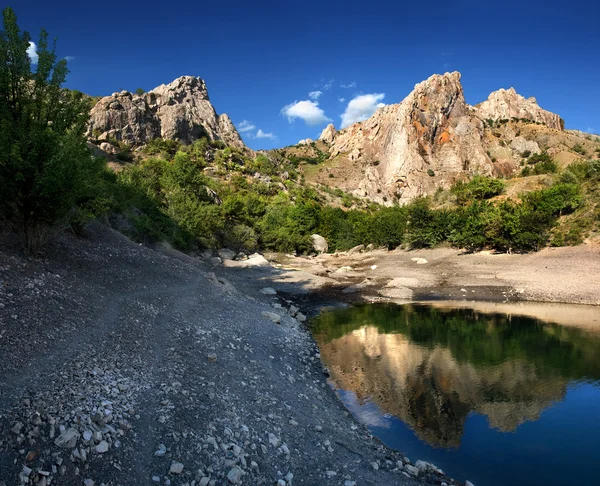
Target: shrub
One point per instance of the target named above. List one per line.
(45, 166)
(579, 149)
(430, 172)
(478, 188)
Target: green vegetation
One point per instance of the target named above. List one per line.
(537, 164)
(45, 167)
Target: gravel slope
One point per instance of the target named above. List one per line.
(124, 366)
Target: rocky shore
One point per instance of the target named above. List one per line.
(568, 275)
(125, 365)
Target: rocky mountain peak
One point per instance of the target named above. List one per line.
(411, 148)
(180, 110)
(508, 104)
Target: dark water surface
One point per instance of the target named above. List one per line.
(496, 398)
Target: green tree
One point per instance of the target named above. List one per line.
(45, 165)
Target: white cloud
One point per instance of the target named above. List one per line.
(314, 95)
(245, 126)
(328, 84)
(69, 58)
(261, 134)
(590, 130)
(342, 100)
(32, 52)
(361, 108)
(351, 85)
(306, 110)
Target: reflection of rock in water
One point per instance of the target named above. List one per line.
(432, 392)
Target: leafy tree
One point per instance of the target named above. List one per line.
(45, 166)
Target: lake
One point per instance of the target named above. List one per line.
(497, 394)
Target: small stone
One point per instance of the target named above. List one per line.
(293, 311)
(412, 470)
(293, 422)
(275, 318)
(281, 482)
(156, 479)
(204, 481)
(375, 466)
(273, 440)
(102, 447)
(89, 482)
(318, 428)
(300, 317)
(87, 435)
(235, 475)
(68, 439)
(349, 483)
(288, 477)
(268, 291)
(162, 450)
(176, 468)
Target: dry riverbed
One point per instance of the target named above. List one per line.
(121, 365)
(565, 275)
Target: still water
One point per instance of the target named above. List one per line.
(493, 396)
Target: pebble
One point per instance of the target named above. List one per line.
(274, 440)
(235, 475)
(102, 447)
(349, 483)
(176, 468)
(375, 466)
(268, 291)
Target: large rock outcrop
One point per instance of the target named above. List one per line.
(424, 142)
(431, 139)
(508, 104)
(180, 110)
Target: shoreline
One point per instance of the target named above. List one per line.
(568, 275)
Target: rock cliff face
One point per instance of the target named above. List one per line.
(507, 103)
(424, 142)
(180, 110)
(429, 140)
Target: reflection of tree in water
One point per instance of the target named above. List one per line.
(433, 385)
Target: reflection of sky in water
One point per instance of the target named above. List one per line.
(561, 448)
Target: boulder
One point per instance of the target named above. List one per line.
(319, 244)
(356, 249)
(274, 318)
(226, 254)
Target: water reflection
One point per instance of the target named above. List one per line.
(432, 367)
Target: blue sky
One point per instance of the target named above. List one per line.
(261, 60)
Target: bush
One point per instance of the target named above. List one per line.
(478, 188)
(45, 166)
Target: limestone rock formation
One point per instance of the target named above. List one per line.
(180, 110)
(431, 139)
(328, 134)
(411, 148)
(507, 104)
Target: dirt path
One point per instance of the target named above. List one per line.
(122, 365)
